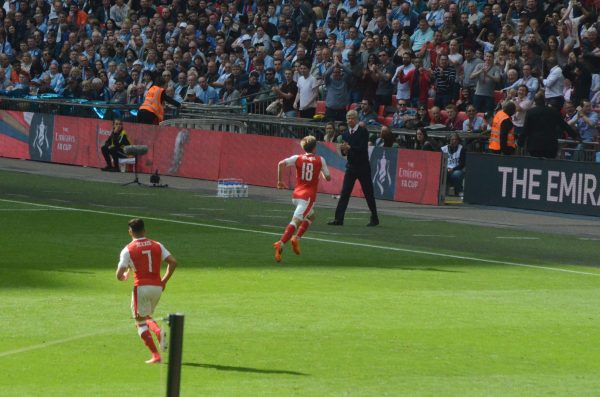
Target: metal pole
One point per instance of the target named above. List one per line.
(175, 353)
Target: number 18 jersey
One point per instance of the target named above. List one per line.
(308, 168)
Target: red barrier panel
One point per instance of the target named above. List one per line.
(401, 175)
(418, 176)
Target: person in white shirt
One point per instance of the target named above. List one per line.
(554, 85)
(403, 89)
(308, 91)
(523, 104)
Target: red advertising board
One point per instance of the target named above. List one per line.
(401, 175)
(418, 176)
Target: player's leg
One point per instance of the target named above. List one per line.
(145, 299)
(301, 206)
(309, 217)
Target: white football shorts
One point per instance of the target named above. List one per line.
(144, 299)
(304, 208)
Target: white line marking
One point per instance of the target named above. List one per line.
(208, 209)
(267, 216)
(30, 209)
(381, 247)
(48, 344)
(433, 235)
(589, 239)
(273, 226)
(517, 238)
(184, 215)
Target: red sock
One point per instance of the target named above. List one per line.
(153, 327)
(147, 339)
(302, 229)
(289, 232)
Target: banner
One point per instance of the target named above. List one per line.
(401, 175)
(532, 183)
(418, 177)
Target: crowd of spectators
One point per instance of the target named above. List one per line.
(437, 59)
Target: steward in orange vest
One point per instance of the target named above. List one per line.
(152, 111)
(502, 138)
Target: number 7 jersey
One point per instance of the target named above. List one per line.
(308, 169)
(144, 257)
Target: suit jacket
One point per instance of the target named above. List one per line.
(358, 155)
(542, 128)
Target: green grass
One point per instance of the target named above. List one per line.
(350, 317)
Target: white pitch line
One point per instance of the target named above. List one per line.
(48, 344)
(31, 209)
(517, 238)
(434, 235)
(268, 216)
(323, 240)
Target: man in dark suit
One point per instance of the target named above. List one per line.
(542, 129)
(355, 146)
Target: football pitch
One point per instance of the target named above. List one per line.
(411, 308)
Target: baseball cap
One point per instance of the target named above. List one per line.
(183, 25)
(138, 62)
(246, 37)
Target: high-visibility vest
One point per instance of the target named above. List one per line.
(152, 102)
(494, 143)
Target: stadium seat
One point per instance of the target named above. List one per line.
(498, 96)
(321, 107)
(381, 110)
(126, 164)
(394, 100)
(353, 106)
(430, 102)
(461, 117)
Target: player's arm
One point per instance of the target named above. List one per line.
(280, 167)
(171, 265)
(123, 266)
(325, 170)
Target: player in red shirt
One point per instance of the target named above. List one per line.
(144, 257)
(308, 168)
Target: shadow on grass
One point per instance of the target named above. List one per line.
(244, 369)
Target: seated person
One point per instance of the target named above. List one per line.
(473, 123)
(456, 163)
(386, 138)
(453, 123)
(112, 149)
(366, 115)
(422, 141)
(436, 116)
(402, 114)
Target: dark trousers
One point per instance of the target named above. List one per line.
(364, 177)
(556, 102)
(146, 117)
(441, 100)
(307, 113)
(113, 154)
(483, 104)
(335, 114)
(548, 154)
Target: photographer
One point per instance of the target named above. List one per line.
(112, 149)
